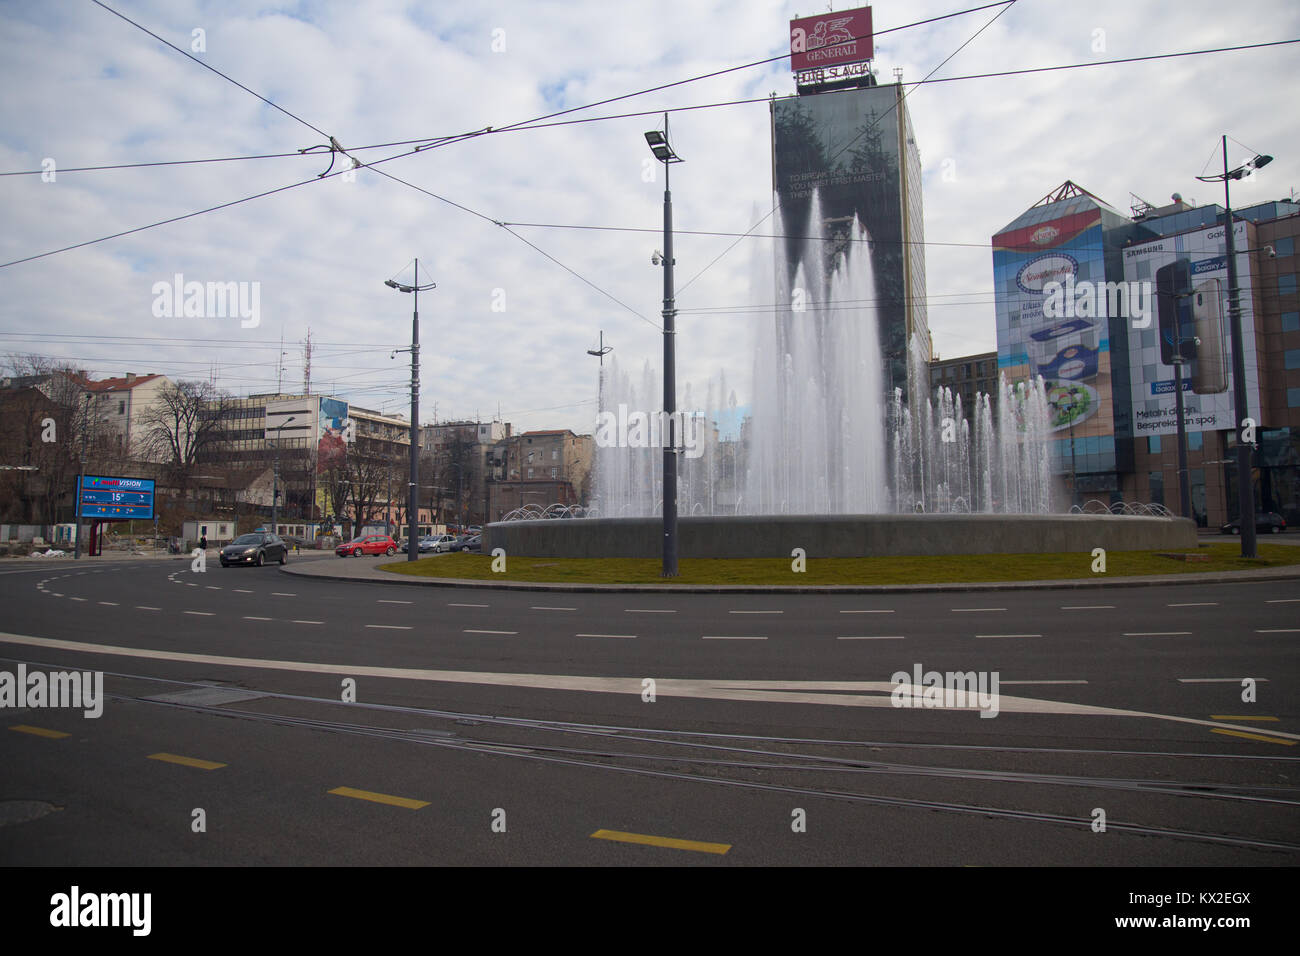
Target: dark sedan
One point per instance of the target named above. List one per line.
(256, 549)
(1268, 521)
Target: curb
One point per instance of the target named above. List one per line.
(1215, 577)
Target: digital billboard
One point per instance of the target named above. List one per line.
(116, 499)
(1189, 274)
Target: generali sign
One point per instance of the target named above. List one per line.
(831, 39)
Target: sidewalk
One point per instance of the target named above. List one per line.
(368, 569)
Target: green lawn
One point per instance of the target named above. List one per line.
(885, 570)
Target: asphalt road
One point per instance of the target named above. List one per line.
(511, 727)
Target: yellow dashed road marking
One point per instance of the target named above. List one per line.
(38, 731)
(406, 802)
(1267, 740)
(670, 842)
(187, 761)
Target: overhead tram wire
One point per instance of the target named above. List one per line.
(432, 141)
(521, 127)
(513, 127)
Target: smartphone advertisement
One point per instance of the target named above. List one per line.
(1190, 275)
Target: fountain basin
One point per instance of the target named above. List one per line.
(839, 536)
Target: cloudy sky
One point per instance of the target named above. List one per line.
(508, 325)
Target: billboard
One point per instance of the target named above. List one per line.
(1070, 351)
(335, 430)
(116, 499)
(1189, 274)
(830, 39)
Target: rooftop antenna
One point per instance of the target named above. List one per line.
(306, 363)
(898, 75)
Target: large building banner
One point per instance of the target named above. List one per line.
(1189, 276)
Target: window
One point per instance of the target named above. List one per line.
(1284, 246)
(555, 455)
(553, 471)
(1286, 284)
(1153, 444)
(1291, 321)
(1293, 398)
(121, 408)
(1195, 440)
(1292, 357)
(530, 473)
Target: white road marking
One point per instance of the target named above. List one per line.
(282, 594)
(109, 603)
(389, 627)
(865, 637)
(756, 612)
(733, 637)
(648, 610)
(628, 636)
(866, 612)
(1220, 680)
(308, 622)
(472, 631)
(242, 591)
(869, 693)
(213, 587)
(145, 607)
(249, 617)
(1155, 633)
(1087, 607)
(538, 607)
(958, 610)
(1008, 635)
(466, 605)
(201, 613)
(1277, 630)
(1043, 682)
(1283, 601)
(78, 598)
(1195, 604)
(386, 601)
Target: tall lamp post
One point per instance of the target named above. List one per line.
(81, 474)
(412, 499)
(275, 476)
(1241, 410)
(663, 152)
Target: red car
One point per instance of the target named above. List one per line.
(367, 544)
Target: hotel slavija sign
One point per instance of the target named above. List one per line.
(831, 39)
(116, 498)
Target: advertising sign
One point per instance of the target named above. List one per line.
(335, 431)
(1069, 348)
(116, 499)
(831, 39)
(1190, 275)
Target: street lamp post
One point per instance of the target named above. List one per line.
(275, 476)
(81, 474)
(663, 152)
(412, 500)
(1241, 410)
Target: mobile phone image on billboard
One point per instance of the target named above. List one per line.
(1211, 374)
(1173, 285)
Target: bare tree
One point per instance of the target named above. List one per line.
(184, 420)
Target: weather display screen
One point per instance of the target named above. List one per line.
(116, 498)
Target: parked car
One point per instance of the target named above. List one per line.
(427, 543)
(1269, 521)
(460, 542)
(367, 544)
(441, 543)
(475, 543)
(255, 548)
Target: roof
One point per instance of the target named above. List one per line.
(118, 384)
(1066, 200)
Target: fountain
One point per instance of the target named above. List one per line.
(833, 463)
